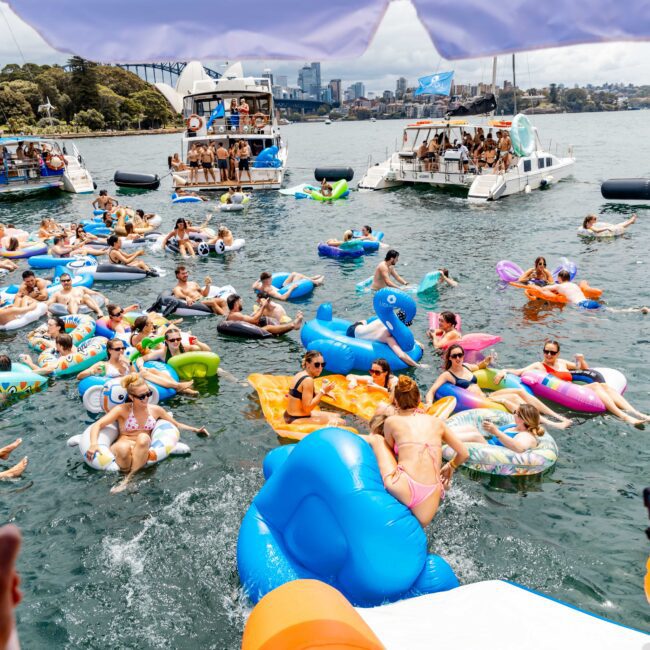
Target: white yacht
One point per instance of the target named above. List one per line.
(33, 164)
(203, 98)
(530, 167)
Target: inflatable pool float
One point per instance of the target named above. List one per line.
(144, 240)
(510, 272)
(195, 365)
(466, 400)
(340, 190)
(471, 342)
(21, 380)
(77, 266)
(242, 330)
(185, 199)
(28, 250)
(50, 261)
(57, 309)
(169, 304)
(196, 238)
(613, 231)
(297, 612)
(268, 157)
(303, 287)
(573, 395)
(369, 246)
(100, 393)
(165, 441)
(428, 282)
(522, 136)
(102, 329)
(118, 273)
(540, 293)
(495, 458)
(343, 354)
(78, 326)
(219, 248)
(18, 233)
(39, 310)
(324, 513)
(347, 250)
(87, 354)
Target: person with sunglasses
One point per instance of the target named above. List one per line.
(115, 321)
(461, 374)
(74, 297)
(172, 346)
(181, 233)
(380, 377)
(562, 369)
(135, 419)
(236, 307)
(302, 398)
(538, 274)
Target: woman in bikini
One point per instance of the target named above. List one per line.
(446, 332)
(461, 374)
(409, 453)
(379, 377)
(136, 420)
(115, 321)
(563, 369)
(182, 234)
(538, 274)
(302, 399)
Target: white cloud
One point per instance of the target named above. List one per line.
(402, 47)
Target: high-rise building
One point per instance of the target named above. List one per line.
(305, 78)
(400, 87)
(388, 95)
(267, 74)
(358, 89)
(326, 95)
(282, 81)
(335, 87)
(316, 81)
(309, 79)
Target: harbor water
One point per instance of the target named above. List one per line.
(155, 567)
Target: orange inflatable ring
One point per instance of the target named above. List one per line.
(260, 120)
(55, 163)
(541, 293)
(194, 122)
(307, 614)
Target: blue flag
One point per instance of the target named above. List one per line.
(435, 84)
(219, 111)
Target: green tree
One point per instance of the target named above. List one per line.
(132, 108)
(121, 81)
(156, 108)
(64, 107)
(53, 82)
(11, 72)
(14, 105)
(90, 118)
(83, 84)
(109, 106)
(29, 90)
(575, 99)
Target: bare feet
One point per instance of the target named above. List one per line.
(185, 388)
(633, 218)
(5, 451)
(318, 279)
(297, 321)
(633, 421)
(15, 471)
(121, 486)
(564, 423)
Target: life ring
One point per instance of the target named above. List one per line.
(260, 120)
(55, 163)
(194, 122)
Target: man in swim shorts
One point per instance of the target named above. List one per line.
(244, 160)
(222, 162)
(235, 307)
(571, 291)
(384, 271)
(265, 284)
(207, 162)
(193, 156)
(31, 287)
(191, 292)
(74, 297)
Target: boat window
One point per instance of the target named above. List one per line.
(528, 165)
(540, 163)
(549, 162)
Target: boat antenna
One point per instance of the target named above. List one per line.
(514, 85)
(494, 82)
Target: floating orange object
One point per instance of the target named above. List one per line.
(541, 293)
(306, 614)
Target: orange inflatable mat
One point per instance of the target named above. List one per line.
(542, 293)
(306, 614)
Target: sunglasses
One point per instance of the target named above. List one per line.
(372, 371)
(66, 281)
(117, 314)
(117, 349)
(173, 340)
(553, 352)
(319, 364)
(457, 355)
(143, 397)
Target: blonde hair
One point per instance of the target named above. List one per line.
(530, 416)
(132, 381)
(347, 235)
(407, 393)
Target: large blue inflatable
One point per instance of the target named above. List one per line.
(302, 287)
(268, 158)
(343, 353)
(324, 513)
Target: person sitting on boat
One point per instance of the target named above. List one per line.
(461, 374)
(591, 223)
(74, 297)
(176, 164)
(64, 345)
(136, 420)
(519, 437)
(384, 271)
(408, 446)
(235, 309)
(191, 292)
(325, 188)
(563, 369)
(538, 274)
(347, 237)
(302, 398)
(105, 202)
(571, 291)
(31, 288)
(379, 377)
(117, 256)
(446, 332)
(266, 279)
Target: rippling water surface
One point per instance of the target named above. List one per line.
(156, 567)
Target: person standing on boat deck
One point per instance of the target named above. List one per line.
(222, 162)
(193, 156)
(20, 152)
(244, 110)
(423, 151)
(432, 154)
(503, 145)
(463, 157)
(232, 161)
(244, 159)
(385, 270)
(207, 162)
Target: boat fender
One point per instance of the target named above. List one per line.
(334, 173)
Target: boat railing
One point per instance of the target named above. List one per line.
(257, 123)
(19, 170)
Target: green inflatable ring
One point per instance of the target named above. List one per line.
(522, 136)
(195, 365)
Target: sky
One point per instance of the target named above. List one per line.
(402, 47)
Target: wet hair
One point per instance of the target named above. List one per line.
(564, 275)
(14, 244)
(132, 381)
(232, 300)
(28, 274)
(103, 192)
(179, 221)
(587, 219)
(112, 240)
(5, 363)
(64, 340)
(59, 323)
(171, 330)
(57, 239)
(222, 230)
(449, 317)
(140, 213)
(140, 323)
(309, 356)
(407, 393)
(265, 275)
(385, 366)
(391, 254)
(445, 272)
(179, 269)
(449, 351)
(552, 342)
(540, 259)
(530, 415)
(369, 229)
(262, 294)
